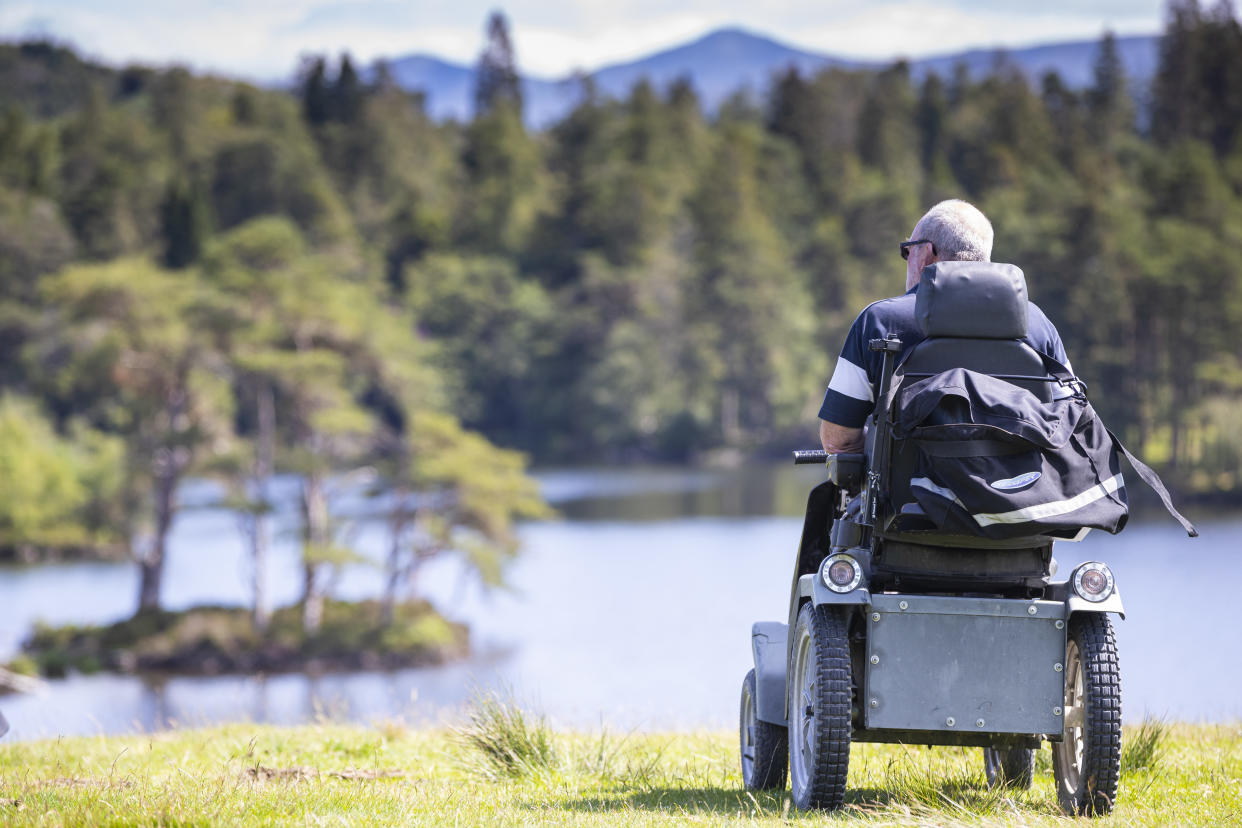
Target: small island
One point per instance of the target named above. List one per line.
(217, 640)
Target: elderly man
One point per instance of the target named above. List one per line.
(950, 231)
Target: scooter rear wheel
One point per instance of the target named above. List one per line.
(765, 752)
(820, 691)
(1010, 767)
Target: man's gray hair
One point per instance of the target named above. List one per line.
(960, 232)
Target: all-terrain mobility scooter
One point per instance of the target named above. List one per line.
(904, 626)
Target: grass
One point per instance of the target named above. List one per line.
(509, 740)
(1144, 749)
(329, 774)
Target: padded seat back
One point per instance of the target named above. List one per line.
(1007, 359)
(974, 315)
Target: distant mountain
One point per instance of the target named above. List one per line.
(718, 64)
(732, 60)
(449, 88)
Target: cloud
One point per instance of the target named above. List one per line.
(265, 39)
(919, 29)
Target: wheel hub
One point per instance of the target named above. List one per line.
(801, 732)
(1070, 751)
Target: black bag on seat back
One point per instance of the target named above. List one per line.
(995, 461)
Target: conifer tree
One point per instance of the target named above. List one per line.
(788, 105)
(496, 78)
(1175, 98)
(1220, 76)
(316, 97)
(1065, 113)
(184, 221)
(1107, 99)
(887, 138)
(931, 114)
(347, 93)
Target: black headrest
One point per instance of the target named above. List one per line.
(982, 300)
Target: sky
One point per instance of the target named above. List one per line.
(263, 39)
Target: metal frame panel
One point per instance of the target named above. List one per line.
(984, 665)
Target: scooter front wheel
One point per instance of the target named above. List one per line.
(820, 688)
(1087, 762)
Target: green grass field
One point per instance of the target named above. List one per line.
(331, 774)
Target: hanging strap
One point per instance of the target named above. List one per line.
(1152, 479)
(1062, 375)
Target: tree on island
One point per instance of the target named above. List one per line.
(125, 350)
(340, 382)
(451, 491)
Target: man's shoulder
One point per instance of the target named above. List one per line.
(1038, 321)
(894, 315)
(885, 310)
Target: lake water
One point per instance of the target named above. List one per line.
(634, 610)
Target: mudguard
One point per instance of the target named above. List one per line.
(767, 639)
(1075, 603)
(1063, 591)
(812, 586)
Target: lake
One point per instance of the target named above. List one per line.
(632, 610)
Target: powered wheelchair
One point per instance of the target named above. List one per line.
(902, 632)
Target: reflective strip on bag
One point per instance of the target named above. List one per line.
(1039, 511)
(947, 494)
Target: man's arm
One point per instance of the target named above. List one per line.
(850, 396)
(1048, 340)
(840, 440)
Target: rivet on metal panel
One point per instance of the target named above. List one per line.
(875, 702)
(1058, 667)
(978, 722)
(875, 659)
(1060, 625)
(875, 616)
(904, 605)
(950, 721)
(1056, 711)
(1032, 609)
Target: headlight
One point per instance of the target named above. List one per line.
(841, 572)
(1093, 581)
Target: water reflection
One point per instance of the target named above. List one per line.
(623, 612)
(664, 494)
(112, 704)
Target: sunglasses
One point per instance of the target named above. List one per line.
(906, 245)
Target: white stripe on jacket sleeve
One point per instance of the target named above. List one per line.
(852, 381)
